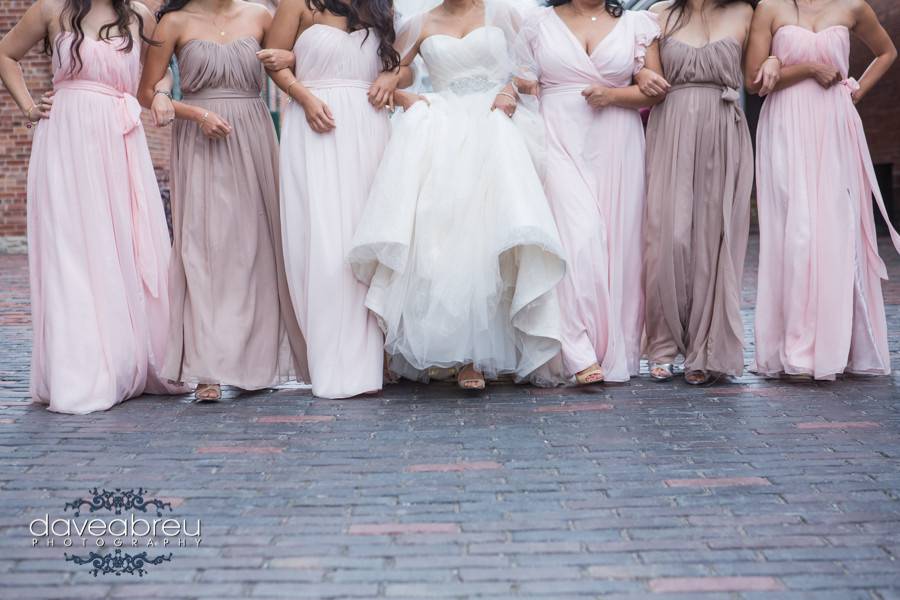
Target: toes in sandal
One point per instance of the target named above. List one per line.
(467, 381)
(593, 374)
(696, 377)
(208, 393)
(661, 371)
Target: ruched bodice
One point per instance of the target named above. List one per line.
(207, 65)
(468, 64)
(793, 44)
(102, 62)
(328, 53)
(718, 62)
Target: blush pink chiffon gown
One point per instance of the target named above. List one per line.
(820, 310)
(595, 185)
(97, 239)
(325, 181)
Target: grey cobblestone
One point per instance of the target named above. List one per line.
(421, 491)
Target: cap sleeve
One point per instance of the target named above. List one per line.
(646, 31)
(526, 45)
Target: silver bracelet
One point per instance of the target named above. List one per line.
(164, 93)
(510, 96)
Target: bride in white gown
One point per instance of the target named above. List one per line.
(457, 241)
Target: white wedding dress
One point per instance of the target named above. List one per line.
(457, 241)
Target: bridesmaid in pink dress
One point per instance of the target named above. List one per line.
(820, 310)
(584, 54)
(335, 131)
(97, 238)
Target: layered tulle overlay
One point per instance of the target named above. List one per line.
(595, 184)
(97, 239)
(820, 309)
(232, 320)
(325, 181)
(457, 241)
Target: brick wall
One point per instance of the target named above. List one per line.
(880, 110)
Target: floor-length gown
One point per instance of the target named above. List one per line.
(232, 321)
(595, 183)
(457, 239)
(819, 308)
(97, 240)
(697, 220)
(325, 181)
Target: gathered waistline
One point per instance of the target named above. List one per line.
(571, 88)
(324, 84)
(221, 94)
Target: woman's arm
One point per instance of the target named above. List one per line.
(156, 66)
(762, 71)
(600, 96)
(31, 29)
(873, 35)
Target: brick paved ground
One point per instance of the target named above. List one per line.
(744, 490)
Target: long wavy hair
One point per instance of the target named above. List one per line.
(681, 10)
(613, 7)
(371, 15)
(72, 16)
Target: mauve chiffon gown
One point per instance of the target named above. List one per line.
(325, 181)
(595, 185)
(820, 310)
(232, 321)
(98, 247)
(699, 179)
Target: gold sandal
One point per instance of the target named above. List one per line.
(697, 377)
(666, 369)
(593, 374)
(208, 392)
(470, 383)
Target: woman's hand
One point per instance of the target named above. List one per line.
(275, 60)
(651, 83)
(406, 100)
(768, 75)
(825, 75)
(598, 96)
(41, 110)
(162, 110)
(318, 115)
(212, 125)
(857, 95)
(381, 92)
(504, 101)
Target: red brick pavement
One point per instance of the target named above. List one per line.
(742, 490)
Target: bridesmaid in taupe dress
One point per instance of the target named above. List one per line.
(232, 319)
(699, 178)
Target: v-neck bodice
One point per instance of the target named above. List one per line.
(555, 56)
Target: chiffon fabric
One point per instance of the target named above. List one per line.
(699, 179)
(457, 241)
(325, 181)
(232, 321)
(820, 310)
(595, 183)
(98, 245)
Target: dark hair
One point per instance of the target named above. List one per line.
(613, 7)
(375, 15)
(73, 14)
(360, 14)
(682, 9)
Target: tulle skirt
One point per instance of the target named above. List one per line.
(458, 244)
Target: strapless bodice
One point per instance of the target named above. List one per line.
(474, 63)
(794, 44)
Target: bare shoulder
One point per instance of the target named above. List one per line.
(858, 8)
(51, 9)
